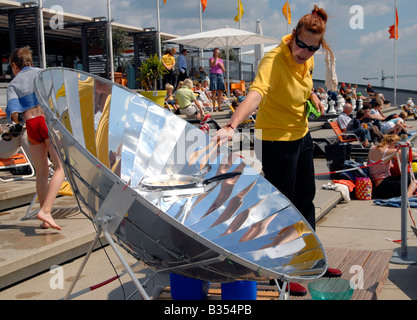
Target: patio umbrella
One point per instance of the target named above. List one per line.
(251, 53)
(225, 38)
(331, 77)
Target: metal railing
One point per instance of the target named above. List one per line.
(238, 70)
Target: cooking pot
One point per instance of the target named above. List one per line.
(181, 181)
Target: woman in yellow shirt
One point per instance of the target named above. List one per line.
(282, 86)
(168, 60)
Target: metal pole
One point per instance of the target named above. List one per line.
(110, 41)
(125, 264)
(404, 196)
(395, 56)
(42, 34)
(404, 255)
(90, 250)
(228, 68)
(158, 25)
(201, 30)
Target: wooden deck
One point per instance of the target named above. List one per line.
(368, 271)
(362, 266)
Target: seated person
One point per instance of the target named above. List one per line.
(332, 95)
(348, 92)
(378, 96)
(372, 119)
(375, 99)
(347, 124)
(376, 134)
(202, 74)
(385, 185)
(410, 103)
(369, 90)
(377, 115)
(198, 88)
(186, 99)
(353, 93)
(344, 91)
(206, 87)
(202, 96)
(321, 93)
(361, 96)
(179, 85)
(239, 98)
(396, 125)
(410, 108)
(169, 98)
(344, 118)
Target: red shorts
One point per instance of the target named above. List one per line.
(37, 130)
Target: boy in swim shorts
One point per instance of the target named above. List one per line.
(37, 130)
(22, 105)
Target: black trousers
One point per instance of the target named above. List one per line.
(289, 166)
(169, 78)
(182, 76)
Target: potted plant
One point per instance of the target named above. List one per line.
(149, 74)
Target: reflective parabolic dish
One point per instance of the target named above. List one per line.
(241, 228)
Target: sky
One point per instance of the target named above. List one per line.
(357, 31)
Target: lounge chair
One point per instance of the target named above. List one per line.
(13, 156)
(341, 135)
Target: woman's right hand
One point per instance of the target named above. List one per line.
(223, 135)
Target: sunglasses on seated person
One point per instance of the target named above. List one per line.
(302, 45)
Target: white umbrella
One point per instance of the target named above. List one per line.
(225, 38)
(251, 53)
(331, 77)
(259, 48)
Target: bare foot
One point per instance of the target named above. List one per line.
(47, 219)
(44, 225)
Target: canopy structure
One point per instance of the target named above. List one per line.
(226, 38)
(110, 139)
(259, 48)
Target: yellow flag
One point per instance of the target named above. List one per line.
(286, 10)
(240, 11)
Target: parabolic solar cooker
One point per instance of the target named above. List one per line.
(161, 189)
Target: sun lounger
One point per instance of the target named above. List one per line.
(343, 136)
(19, 159)
(2, 114)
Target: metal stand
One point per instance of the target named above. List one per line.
(283, 295)
(29, 213)
(404, 255)
(107, 219)
(103, 228)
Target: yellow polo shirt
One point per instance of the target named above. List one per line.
(168, 59)
(285, 87)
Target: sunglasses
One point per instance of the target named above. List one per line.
(302, 45)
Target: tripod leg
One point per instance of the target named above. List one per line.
(90, 250)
